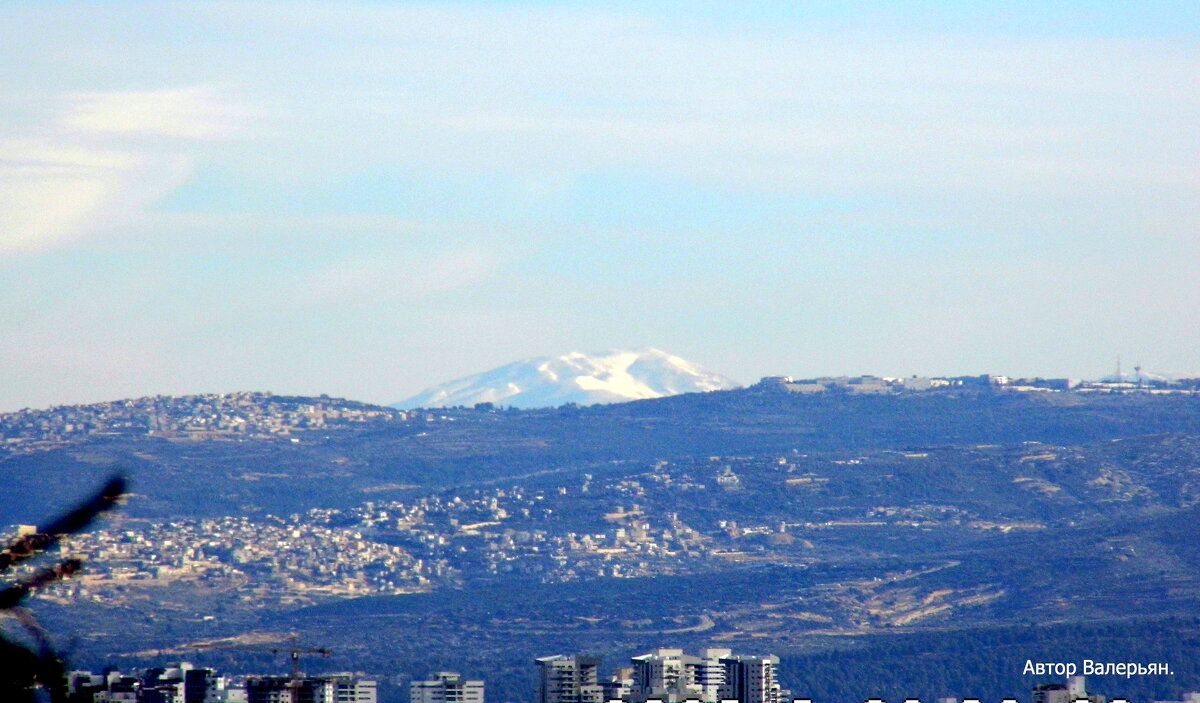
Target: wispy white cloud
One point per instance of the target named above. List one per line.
(106, 158)
(51, 193)
(198, 112)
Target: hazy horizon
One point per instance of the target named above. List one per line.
(1126, 370)
(369, 199)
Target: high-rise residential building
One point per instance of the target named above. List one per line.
(669, 675)
(569, 679)
(201, 685)
(709, 673)
(619, 686)
(446, 687)
(183, 683)
(333, 688)
(281, 689)
(664, 675)
(345, 688)
(751, 679)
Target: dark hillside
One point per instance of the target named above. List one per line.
(192, 477)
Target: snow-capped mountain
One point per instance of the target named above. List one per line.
(545, 381)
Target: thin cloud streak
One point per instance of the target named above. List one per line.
(105, 159)
(185, 113)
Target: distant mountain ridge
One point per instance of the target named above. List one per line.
(614, 376)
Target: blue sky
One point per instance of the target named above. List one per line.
(367, 199)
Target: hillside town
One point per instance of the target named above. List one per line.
(621, 526)
(402, 546)
(243, 416)
(212, 416)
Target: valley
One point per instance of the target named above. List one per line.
(477, 539)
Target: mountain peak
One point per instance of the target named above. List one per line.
(612, 376)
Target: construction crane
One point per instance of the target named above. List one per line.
(293, 651)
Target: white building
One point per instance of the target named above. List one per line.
(329, 688)
(446, 687)
(574, 679)
(751, 679)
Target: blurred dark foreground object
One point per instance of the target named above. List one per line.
(26, 670)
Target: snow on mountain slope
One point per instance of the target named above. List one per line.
(607, 377)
